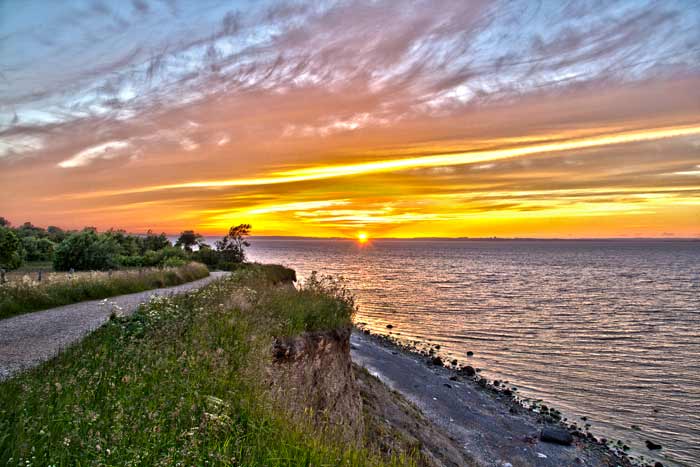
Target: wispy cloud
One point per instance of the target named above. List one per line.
(156, 102)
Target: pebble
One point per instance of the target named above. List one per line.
(557, 436)
(652, 445)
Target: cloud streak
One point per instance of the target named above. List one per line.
(222, 109)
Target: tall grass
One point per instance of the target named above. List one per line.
(177, 383)
(17, 297)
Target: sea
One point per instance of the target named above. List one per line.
(603, 329)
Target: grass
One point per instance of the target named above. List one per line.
(177, 383)
(275, 273)
(17, 297)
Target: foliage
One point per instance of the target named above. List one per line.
(22, 296)
(4, 222)
(178, 383)
(207, 256)
(173, 262)
(189, 239)
(10, 249)
(87, 250)
(153, 242)
(160, 257)
(129, 245)
(232, 246)
(37, 248)
(320, 303)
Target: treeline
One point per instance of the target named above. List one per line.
(89, 250)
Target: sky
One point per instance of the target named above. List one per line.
(446, 118)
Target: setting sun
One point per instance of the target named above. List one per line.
(362, 237)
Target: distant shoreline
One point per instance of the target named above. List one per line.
(470, 239)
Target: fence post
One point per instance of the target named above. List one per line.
(70, 273)
(38, 278)
(2, 275)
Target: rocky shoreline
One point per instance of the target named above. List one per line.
(553, 428)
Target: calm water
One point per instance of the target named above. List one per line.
(604, 329)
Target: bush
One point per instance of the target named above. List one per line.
(37, 249)
(174, 262)
(10, 249)
(86, 251)
(130, 261)
(207, 256)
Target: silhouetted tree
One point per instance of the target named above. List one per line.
(188, 239)
(232, 246)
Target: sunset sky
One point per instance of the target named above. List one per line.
(396, 118)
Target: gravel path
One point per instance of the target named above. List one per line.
(29, 339)
(483, 425)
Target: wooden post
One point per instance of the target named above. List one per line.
(38, 277)
(2, 275)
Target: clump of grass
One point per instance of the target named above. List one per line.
(321, 303)
(17, 297)
(274, 273)
(177, 383)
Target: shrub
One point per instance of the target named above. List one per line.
(10, 249)
(207, 256)
(173, 262)
(38, 248)
(134, 261)
(85, 251)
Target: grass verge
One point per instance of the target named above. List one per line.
(18, 297)
(177, 383)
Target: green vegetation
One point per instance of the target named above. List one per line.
(180, 382)
(90, 250)
(17, 297)
(10, 249)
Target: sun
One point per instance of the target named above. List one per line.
(362, 237)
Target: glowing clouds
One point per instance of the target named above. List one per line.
(105, 151)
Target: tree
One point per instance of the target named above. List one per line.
(129, 244)
(232, 246)
(188, 239)
(56, 234)
(4, 222)
(153, 242)
(37, 249)
(86, 250)
(10, 249)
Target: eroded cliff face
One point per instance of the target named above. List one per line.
(311, 377)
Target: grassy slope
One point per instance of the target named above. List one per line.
(177, 383)
(17, 298)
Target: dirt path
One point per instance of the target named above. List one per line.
(29, 339)
(483, 425)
